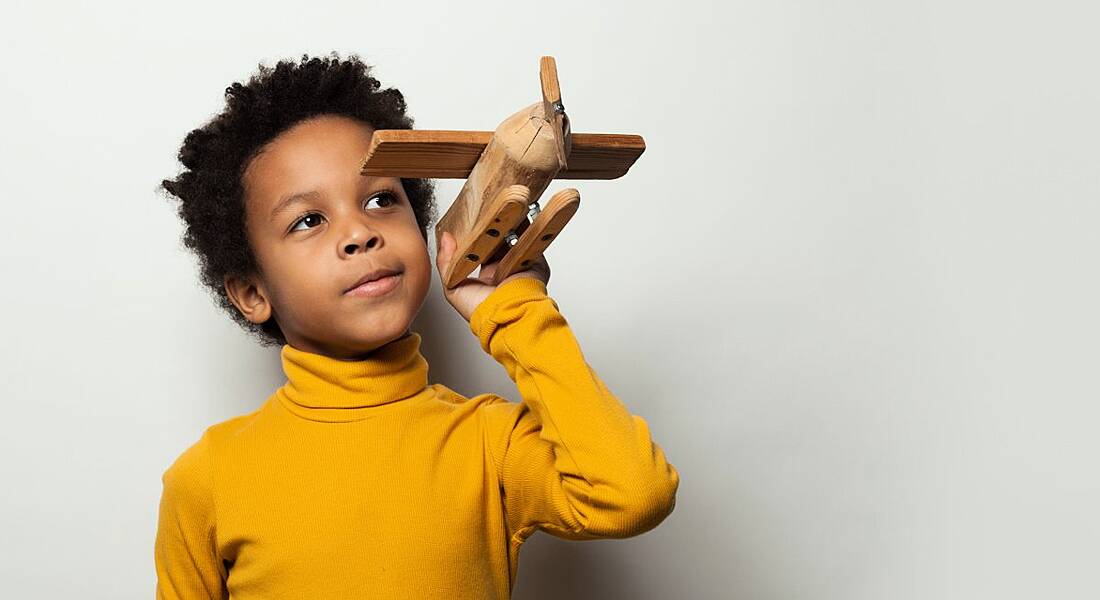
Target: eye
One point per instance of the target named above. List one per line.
(389, 196)
(304, 219)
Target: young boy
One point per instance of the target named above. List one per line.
(357, 478)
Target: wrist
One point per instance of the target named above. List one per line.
(506, 294)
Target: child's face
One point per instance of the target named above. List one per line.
(351, 226)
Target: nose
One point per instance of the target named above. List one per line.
(359, 238)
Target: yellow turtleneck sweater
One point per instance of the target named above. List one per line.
(361, 480)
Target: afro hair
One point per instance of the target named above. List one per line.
(214, 157)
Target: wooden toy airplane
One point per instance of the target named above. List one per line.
(506, 171)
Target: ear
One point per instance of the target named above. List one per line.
(249, 296)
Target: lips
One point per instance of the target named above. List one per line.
(371, 276)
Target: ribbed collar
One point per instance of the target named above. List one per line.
(323, 387)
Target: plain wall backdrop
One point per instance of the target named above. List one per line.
(851, 284)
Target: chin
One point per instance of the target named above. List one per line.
(383, 333)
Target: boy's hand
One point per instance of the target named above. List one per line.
(469, 293)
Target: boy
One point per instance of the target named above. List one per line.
(357, 478)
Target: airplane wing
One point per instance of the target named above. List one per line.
(446, 154)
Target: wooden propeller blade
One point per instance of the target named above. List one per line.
(553, 109)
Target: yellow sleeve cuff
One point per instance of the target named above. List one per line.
(512, 293)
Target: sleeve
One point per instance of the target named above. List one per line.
(572, 460)
(185, 552)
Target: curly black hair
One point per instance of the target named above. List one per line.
(215, 156)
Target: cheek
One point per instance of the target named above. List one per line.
(305, 285)
(421, 265)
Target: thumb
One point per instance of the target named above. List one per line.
(446, 249)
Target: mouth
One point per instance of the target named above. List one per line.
(376, 282)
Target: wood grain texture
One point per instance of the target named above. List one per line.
(522, 151)
(506, 211)
(452, 154)
(553, 110)
(504, 169)
(544, 229)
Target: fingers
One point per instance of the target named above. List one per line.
(444, 249)
(543, 267)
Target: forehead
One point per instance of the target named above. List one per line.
(317, 153)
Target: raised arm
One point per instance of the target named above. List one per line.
(572, 459)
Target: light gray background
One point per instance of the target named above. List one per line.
(851, 284)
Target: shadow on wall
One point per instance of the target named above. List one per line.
(551, 568)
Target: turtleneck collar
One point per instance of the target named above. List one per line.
(325, 388)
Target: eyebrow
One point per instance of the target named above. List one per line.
(285, 204)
